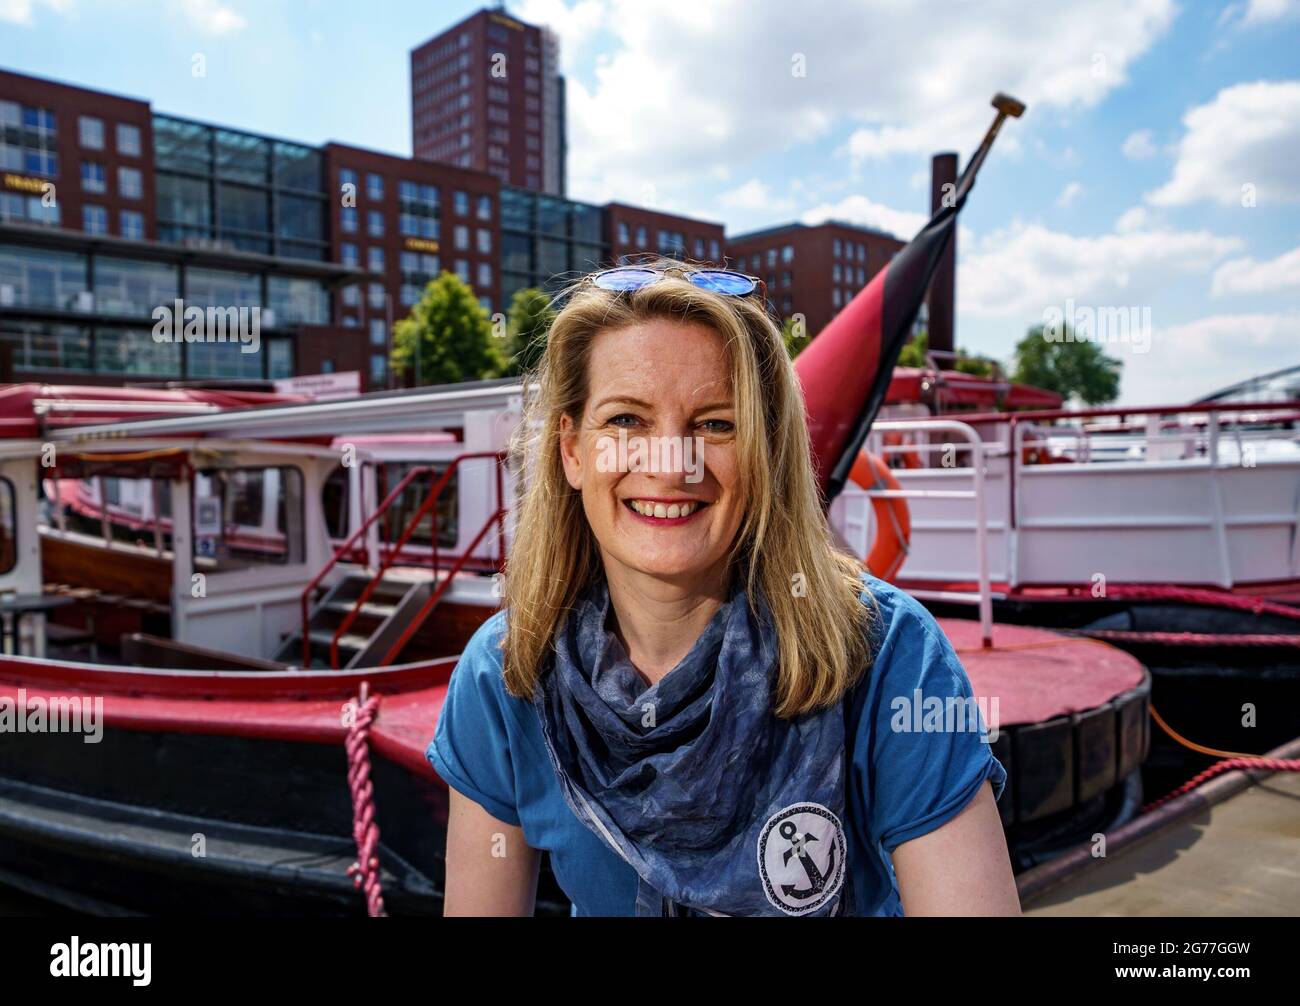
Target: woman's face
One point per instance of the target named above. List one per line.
(655, 454)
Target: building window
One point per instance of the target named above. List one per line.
(836, 248)
(461, 202)
(461, 237)
(375, 185)
(348, 254)
(375, 224)
(348, 219)
(90, 132)
(128, 140)
(378, 332)
(787, 254)
(462, 269)
(713, 250)
(835, 272)
(862, 253)
(640, 237)
(624, 237)
(835, 297)
(130, 183)
(351, 295)
(484, 241)
(92, 177)
(94, 219)
(699, 248)
(347, 177)
(785, 277)
(378, 368)
(485, 207)
(484, 275)
(131, 224)
(375, 259)
(377, 294)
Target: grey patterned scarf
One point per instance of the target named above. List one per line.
(719, 806)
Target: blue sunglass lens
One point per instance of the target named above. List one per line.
(718, 281)
(625, 279)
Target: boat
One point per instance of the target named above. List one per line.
(256, 660)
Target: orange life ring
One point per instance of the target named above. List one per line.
(893, 521)
(909, 459)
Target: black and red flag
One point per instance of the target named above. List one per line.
(845, 371)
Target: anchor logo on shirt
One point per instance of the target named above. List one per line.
(801, 858)
(817, 879)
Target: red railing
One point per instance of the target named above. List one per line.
(499, 518)
(345, 549)
(394, 551)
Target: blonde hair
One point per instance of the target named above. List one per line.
(783, 547)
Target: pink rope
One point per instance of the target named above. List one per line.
(365, 871)
(1228, 764)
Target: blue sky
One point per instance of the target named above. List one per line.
(1123, 186)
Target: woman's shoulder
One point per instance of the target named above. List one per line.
(894, 611)
(481, 668)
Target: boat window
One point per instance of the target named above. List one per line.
(334, 502)
(403, 509)
(248, 517)
(8, 527)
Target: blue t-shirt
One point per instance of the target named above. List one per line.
(917, 759)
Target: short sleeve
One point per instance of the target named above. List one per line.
(470, 749)
(922, 751)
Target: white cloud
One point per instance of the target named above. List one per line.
(1264, 11)
(23, 11)
(1020, 270)
(1138, 145)
(1135, 218)
(754, 195)
(1069, 194)
(1245, 275)
(1188, 361)
(575, 25)
(686, 88)
(1257, 12)
(212, 17)
(862, 211)
(1249, 135)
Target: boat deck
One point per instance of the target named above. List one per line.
(1240, 857)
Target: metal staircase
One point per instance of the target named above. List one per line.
(367, 616)
(395, 597)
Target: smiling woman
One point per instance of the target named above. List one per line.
(687, 699)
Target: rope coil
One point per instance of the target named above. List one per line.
(365, 833)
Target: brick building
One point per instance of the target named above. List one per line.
(812, 270)
(487, 94)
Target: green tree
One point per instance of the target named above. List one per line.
(913, 352)
(528, 323)
(1071, 369)
(447, 337)
(794, 331)
(914, 355)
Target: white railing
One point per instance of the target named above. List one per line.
(982, 598)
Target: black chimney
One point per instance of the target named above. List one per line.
(943, 172)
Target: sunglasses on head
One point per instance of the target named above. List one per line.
(627, 278)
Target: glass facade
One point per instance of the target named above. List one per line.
(546, 240)
(238, 190)
(107, 291)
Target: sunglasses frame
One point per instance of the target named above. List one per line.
(759, 285)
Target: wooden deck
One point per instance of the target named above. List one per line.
(1240, 857)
